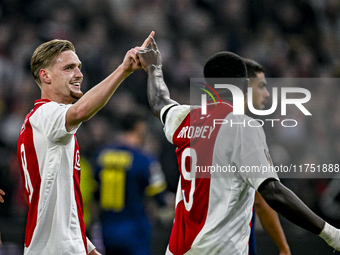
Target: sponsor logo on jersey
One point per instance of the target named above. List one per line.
(77, 161)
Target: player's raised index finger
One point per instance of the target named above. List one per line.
(148, 40)
(153, 44)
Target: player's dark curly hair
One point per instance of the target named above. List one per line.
(225, 65)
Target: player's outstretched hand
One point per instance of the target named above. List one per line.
(131, 62)
(2, 193)
(150, 57)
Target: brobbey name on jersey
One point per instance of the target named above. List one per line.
(196, 132)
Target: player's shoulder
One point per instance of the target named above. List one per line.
(174, 118)
(47, 103)
(49, 113)
(244, 126)
(246, 120)
(50, 108)
(240, 117)
(145, 158)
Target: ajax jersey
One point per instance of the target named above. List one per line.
(216, 154)
(49, 161)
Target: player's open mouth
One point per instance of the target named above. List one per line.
(76, 84)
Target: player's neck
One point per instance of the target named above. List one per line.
(55, 98)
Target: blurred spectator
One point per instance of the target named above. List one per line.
(125, 175)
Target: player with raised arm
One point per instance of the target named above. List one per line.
(213, 214)
(48, 151)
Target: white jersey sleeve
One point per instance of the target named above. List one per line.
(256, 164)
(52, 119)
(174, 118)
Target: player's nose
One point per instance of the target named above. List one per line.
(78, 73)
(266, 93)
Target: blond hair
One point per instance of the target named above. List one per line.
(45, 54)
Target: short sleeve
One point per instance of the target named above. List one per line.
(256, 164)
(174, 118)
(157, 182)
(50, 118)
(163, 111)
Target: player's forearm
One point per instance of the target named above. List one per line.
(158, 92)
(96, 98)
(271, 223)
(291, 207)
(285, 202)
(2, 193)
(273, 227)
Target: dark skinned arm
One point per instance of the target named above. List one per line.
(286, 203)
(158, 92)
(271, 223)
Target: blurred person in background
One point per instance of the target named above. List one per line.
(128, 178)
(268, 217)
(87, 186)
(48, 151)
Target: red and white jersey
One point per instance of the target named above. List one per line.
(214, 208)
(49, 160)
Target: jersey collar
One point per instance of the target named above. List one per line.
(218, 102)
(41, 101)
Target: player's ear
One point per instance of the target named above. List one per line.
(45, 77)
(245, 86)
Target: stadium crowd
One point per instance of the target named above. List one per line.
(291, 39)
